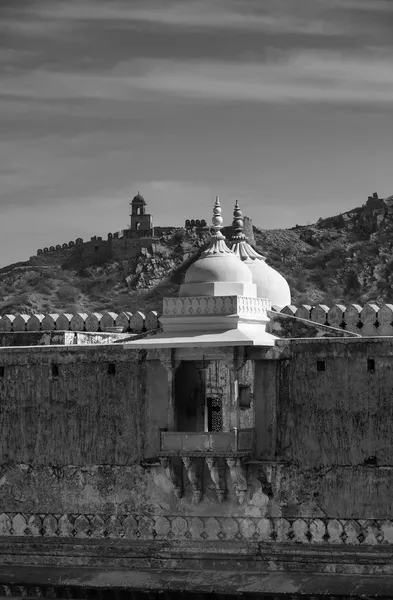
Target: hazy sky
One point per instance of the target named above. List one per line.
(286, 105)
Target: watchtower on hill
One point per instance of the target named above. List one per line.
(141, 223)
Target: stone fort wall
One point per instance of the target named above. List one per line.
(77, 448)
(119, 245)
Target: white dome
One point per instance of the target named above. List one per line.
(218, 272)
(270, 284)
(224, 267)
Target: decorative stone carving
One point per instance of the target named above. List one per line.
(243, 306)
(238, 477)
(217, 473)
(175, 478)
(195, 477)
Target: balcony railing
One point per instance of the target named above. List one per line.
(237, 441)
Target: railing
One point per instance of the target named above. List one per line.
(222, 442)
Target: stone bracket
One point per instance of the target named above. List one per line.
(174, 477)
(238, 474)
(217, 474)
(195, 476)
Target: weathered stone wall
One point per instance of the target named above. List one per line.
(335, 405)
(79, 460)
(61, 406)
(323, 414)
(98, 251)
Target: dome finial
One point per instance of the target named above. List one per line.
(217, 218)
(239, 243)
(237, 224)
(217, 243)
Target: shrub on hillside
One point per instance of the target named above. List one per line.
(67, 293)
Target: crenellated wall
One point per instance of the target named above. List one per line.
(368, 320)
(64, 246)
(90, 322)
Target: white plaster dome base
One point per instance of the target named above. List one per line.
(218, 274)
(270, 284)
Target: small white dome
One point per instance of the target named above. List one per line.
(224, 267)
(270, 283)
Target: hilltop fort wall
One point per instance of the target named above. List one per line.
(124, 244)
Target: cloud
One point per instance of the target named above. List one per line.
(324, 77)
(11, 55)
(205, 14)
(307, 77)
(361, 5)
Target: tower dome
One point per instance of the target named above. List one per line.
(138, 199)
(218, 272)
(270, 283)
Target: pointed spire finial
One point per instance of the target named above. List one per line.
(237, 223)
(239, 243)
(217, 218)
(217, 241)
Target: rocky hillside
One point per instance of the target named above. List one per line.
(346, 258)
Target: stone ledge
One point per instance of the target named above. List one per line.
(47, 582)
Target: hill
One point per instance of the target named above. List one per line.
(345, 258)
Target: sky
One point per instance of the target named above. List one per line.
(285, 105)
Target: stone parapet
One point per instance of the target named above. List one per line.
(216, 305)
(369, 320)
(109, 322)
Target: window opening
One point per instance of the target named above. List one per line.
(371, 365)
(321, 365)
(213, 414)
(111, 369)
(55, 370)
(2, 371)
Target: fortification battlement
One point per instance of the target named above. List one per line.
(71, 245)
(64, 246)
(191, 223)
(124, 234)
(137, 322)
(369, 320)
